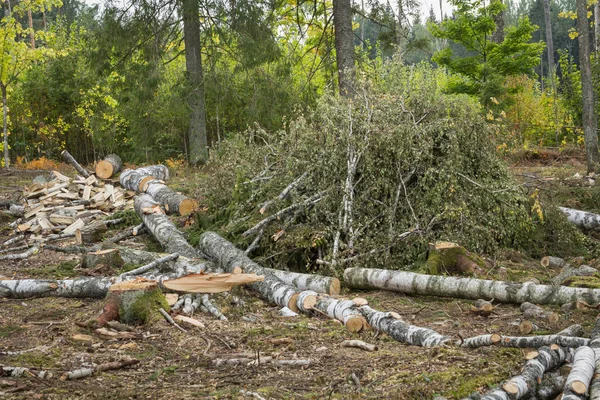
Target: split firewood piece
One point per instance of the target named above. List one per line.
(392, 324)
(163, 230)
(526, 327)
(533, 342)
(189, 321)
(214, 311)
(136, 179)
(284, 193)
(227, 256)
(453, 259)
(553, 262)
(174, 203)
(132, 302)
(119, 335)
(531, 311)
(108, 257)
(526, 383)
(568, 272)
(210, 282)
(582, 219)
(69, 159)
(579, 378)
(359, 344)
(482, 307)
(345, 311)
(469, 288)
(21, 256)
(108, 167)
(91, 233)
(154, 264)
(85, 372)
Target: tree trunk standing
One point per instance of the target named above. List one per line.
(198, 150)
(498, 35)
(589, 117)
(549, 42)
(344, 44)
(399, 27)
(5, 128)
(31, 36)
(597, 26)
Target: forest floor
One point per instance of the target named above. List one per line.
(178, 365)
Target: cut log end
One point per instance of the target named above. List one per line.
(526, 327)
(104, 169)
(143, 183)
(510, 388)
(579, 387)
(292, 303)
(356, 323)
(335, 286)
(308, 302)
(187, 206)
(495, 338)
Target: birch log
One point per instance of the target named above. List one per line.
(135, 179)
(316, 283)
(169, 237)
(533, 371)
(595, 346)
(525, 342)
(109, 166)
(69, 159)
(581, 374)
(582, 219)
(227, 256)
(551, 386)
(174, 203)
(345, 311)
(397, 329)
(553, 262)
(469, 288)
(531, 311)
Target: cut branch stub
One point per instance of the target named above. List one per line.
(109, 166)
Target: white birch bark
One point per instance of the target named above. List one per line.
(174, 203)
(524, 342)
(582, 219)
(169, 237)
(568, 271)
(401, 331)
(316, 283)
(579, 378)
(595, 346)
(214, 311)
(345, 311)
(152, 265)
(133, 179)
(468, 288)
(227, 256)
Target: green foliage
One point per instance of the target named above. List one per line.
(483, 70)
(404, 128)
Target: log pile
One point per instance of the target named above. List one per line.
(65, 205)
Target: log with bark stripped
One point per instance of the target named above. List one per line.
(582, 219)
(227, 256)
(69, 159)
(163, 230)
(173, 202)
(134, 179)
(108, 167)
(469, 288)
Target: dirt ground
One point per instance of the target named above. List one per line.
(178, 365)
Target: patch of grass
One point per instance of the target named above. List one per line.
(36, 359)
(8, 330)
(130, 218)
(63, 269)
(163, 371)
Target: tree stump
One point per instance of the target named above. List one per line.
(108, 257)
(133, 303)
(452, 259)
(109, 166)
(91, 234)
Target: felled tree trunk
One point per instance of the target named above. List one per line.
(595, 346)
(345, 311)
(108, 167)
(91, 233)
(450, 258)
(397, 329)
(316, 283)
(468, 288)
(169, 237)
(133, 302)
(227, 256)
(568, 272)
(582, 219)
(69, 159)
(174, 203)
(553, 262)
(525, 342)
(108, 257)
(135, 179)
